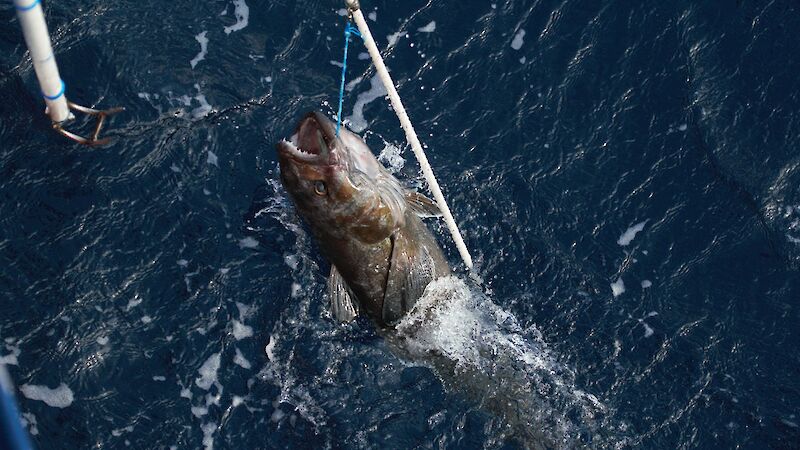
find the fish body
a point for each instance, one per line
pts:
(366, 223)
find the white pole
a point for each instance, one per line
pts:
(31, 18)
(411, 135)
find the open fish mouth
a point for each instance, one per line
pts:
(290, 149)
(311, 142)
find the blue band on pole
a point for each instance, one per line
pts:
(348, 30)
(27, 8)
(60, 93)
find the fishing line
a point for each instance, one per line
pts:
(348, 30)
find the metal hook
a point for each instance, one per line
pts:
(101, 115)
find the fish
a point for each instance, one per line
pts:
(382, 256)
(366, 223)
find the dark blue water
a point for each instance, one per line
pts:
(165, 291)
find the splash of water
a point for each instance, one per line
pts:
(478, 348)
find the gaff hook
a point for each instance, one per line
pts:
(101, 115)
(34, 28)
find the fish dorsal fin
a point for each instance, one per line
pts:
(422, 205)
(343, 305)
(411, 268)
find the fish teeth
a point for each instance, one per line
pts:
(292, 144)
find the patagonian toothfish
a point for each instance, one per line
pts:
(383, 257)
(366, 223)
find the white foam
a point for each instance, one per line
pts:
(204, 109)
(212, 159)
(342, 12)
(208, 372)
(356, 120)
(646, 284)
(277, 415)
(488, 345)
(29, 420)
(393, 38)
(648, 330)
(242, 13)
(618, 287)
(214, 399)
(629, 234)
(183, 262)
(241, 361)
(159, 378)
(199, 411)
(184, 100)
(391, 157)
(60, 397)
(146, 319)
(270, 348)
(373, 16)
(683, 127)
(248, 242)
(353, 83)
(203, 40)
(102, 340)
(518, 40)
(244, 310)
(241, 331)
(291, 261)
(11, 359)
(134, 302)
(208, 435)
(429, 28)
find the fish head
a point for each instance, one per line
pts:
(336, 183)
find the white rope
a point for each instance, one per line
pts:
(411, 136)
(34, 28)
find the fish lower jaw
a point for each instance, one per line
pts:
(293, 150)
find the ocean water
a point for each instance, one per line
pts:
(626, 175)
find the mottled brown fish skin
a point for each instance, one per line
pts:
(357, 212)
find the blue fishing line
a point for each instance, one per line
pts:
(348, 30)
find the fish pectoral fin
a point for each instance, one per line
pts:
(422, 205)
(411, 268)
(343, 305)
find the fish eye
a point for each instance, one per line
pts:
(319, 187)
